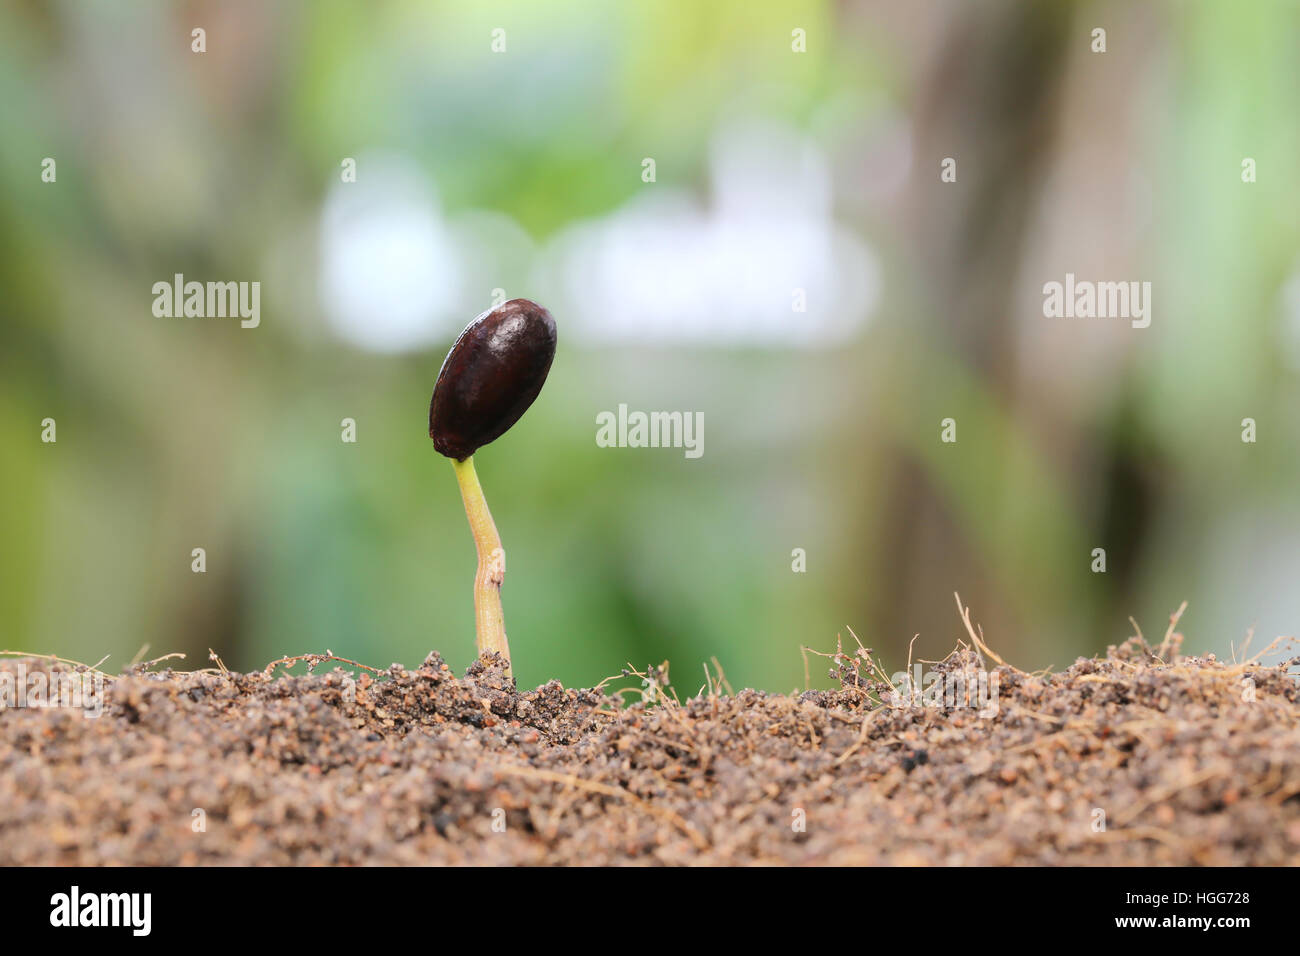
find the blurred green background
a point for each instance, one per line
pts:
(775, 171)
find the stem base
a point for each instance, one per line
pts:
(489, 619)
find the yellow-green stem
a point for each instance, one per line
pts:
(489, 620)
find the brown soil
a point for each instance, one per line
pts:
(416, 766)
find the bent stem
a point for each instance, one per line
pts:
(489, 619)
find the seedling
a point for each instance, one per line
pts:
(491, 375)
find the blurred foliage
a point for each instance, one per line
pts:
(176, 434)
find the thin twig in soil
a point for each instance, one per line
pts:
(606, 790)
(708, 682)
(864, 653)
(910, 689)
(1250, 636)
(62, 660)
(1166, 645)
(1138, 630)
(316, 660)
(1275, 642)
(158, 660)
(722, 677)
(862, 738)
(978, 638)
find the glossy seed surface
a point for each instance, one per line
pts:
(491, 375)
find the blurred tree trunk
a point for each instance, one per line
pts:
(989, 100)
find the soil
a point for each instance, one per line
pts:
(1126, 759)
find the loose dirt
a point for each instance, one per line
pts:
(1121, 760)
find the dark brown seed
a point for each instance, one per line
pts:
(491, 375)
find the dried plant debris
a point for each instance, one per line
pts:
(1141, 757)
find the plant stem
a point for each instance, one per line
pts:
(489, 619)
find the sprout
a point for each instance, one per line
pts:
(491, 375)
